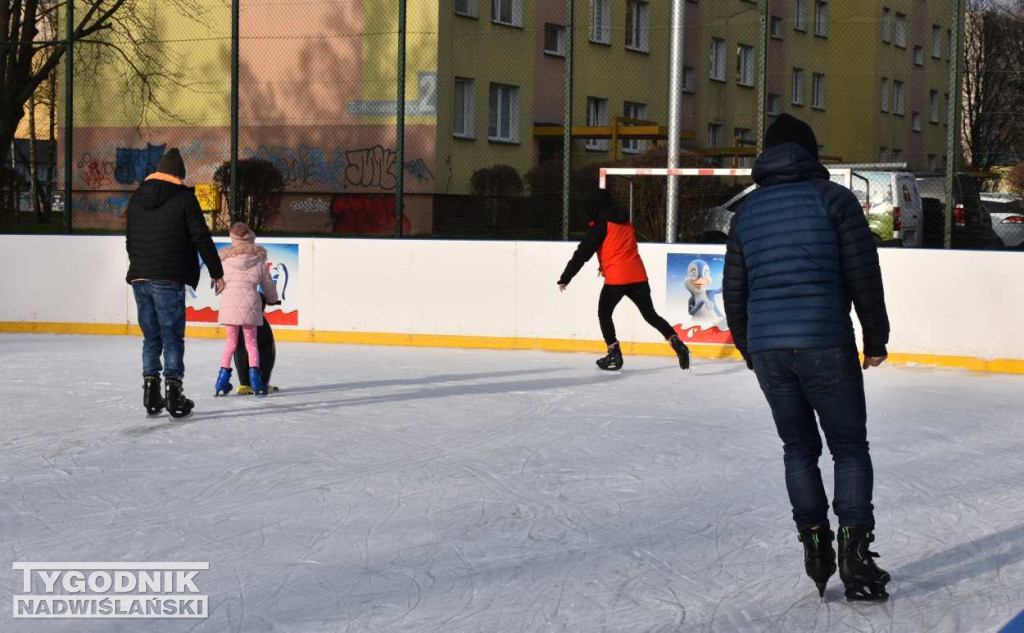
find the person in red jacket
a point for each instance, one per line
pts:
(612, 238)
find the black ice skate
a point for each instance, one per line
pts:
(151, 398)
(681, 350)
(613, 361)
(819, 557)
(865, 581)
(177, 404)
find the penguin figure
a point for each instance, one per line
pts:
(702, 304)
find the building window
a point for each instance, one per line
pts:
(915, 121)
(798, 86)
(776, 27)
(633, 110)
(883, 154)
(800, 23)
(554, 39)
(821, 18)
(462, 111)
(936, 42)
(466, 8)
(918, 56)
(933, 106)
(744, 137)
(774, 105)
(886, 25)
(933, 162)
(597, 115)
(897, 156)
(898, 102)
(945, 162)
(949, 44)
(884, 91)
(818, 91)
(745, 65)
(718, 59)
(601, 21)
(507, 12)
(714, 135)
(504, 120)
(945, 112)
(901, 30)
(689, 79)
(638, 26)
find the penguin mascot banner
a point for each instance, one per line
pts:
(283, 262)
(695, 298)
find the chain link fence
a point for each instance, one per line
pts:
(510, 109)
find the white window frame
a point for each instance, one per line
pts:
(468, 130)
(470, 10)
(597, 115)
(887, 25)
(800, 16)
(689, 80)
(719, 54)
(933, 106)
(918, 55)
(638, 38)
(821, 18)
(715, 131)
(634, 110)
(515, 8)
(560, 34)
(884, 91)
(777, 27)
(901, 31)
(819, 91)
(936, 41)
(796, 93)
(774, 104)
(916, 121)
(508, 95)
(601, 22)
(899, 98)
(745, 65)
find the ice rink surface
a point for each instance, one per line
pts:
(395, 489)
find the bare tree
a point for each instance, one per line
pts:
(993, 81)
(110, 34)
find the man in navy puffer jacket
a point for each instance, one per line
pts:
(800, 252)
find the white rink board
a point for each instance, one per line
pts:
(966, 304)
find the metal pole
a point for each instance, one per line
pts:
(400, 123)
(234, 200)
(675, 117)
(69, 112)
(953, 116)
(570, 38)
(630, 200)
(762, 83)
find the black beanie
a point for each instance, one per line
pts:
(599, 201)
(789, 129)
(172, 164)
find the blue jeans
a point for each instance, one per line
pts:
(829, 382)
(162, 319)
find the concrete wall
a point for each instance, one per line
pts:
(952, 309)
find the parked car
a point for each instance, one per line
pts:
(1007, 213)
(889, 198)
(972, 224)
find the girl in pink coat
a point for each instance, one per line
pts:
(245, 269)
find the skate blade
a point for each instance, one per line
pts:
(182, 417)
(821, 590)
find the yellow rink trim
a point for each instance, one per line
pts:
(997, 365)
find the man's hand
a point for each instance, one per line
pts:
(873, 361)
(561, 287)
(218, 285)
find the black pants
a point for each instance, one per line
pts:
(268, 354)
(640, 295)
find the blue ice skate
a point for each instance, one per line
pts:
(258, 387)
(223, 386)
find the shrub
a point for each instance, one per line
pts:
(260, 184)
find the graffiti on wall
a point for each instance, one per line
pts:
(134, 165)
(304, 165)
(113, 206)
(364, 215)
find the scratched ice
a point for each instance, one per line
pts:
(390, 489)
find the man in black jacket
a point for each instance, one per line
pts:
(800, 251)
(165, 237)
